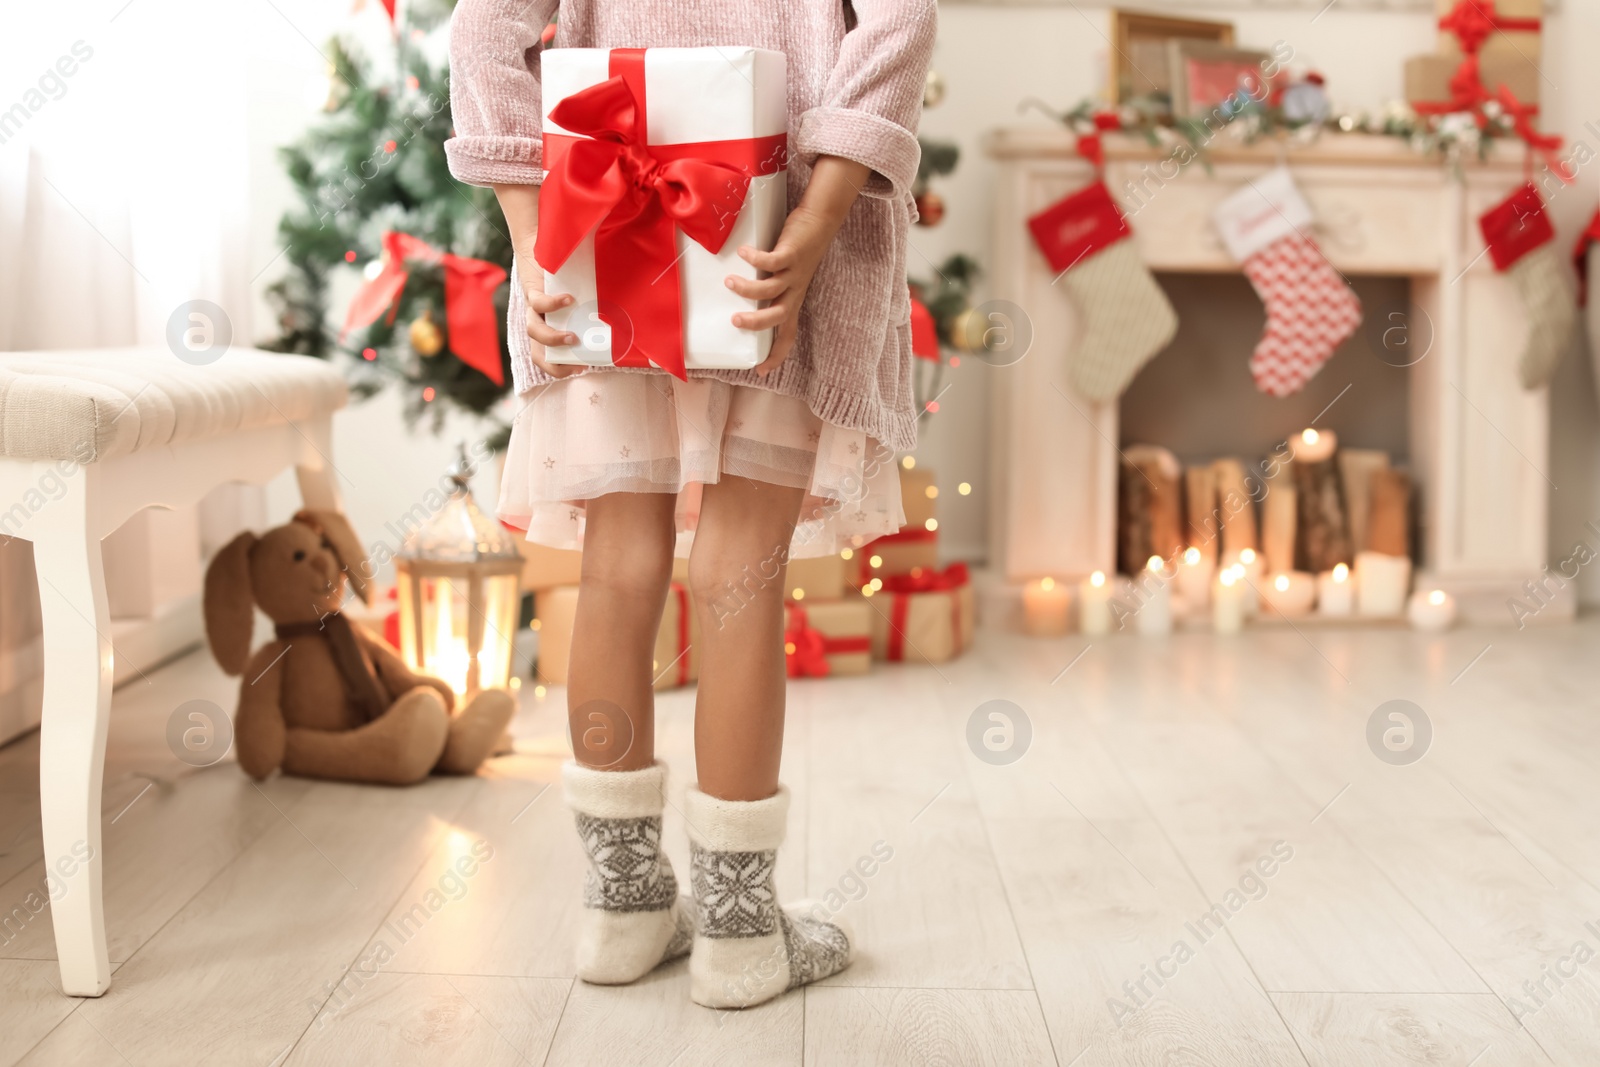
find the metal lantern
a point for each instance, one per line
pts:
(459, 593)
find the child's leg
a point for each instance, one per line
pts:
(627, 567)
(632, 918)
(736, 569)
(746, 948)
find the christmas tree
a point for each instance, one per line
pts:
(374, 165)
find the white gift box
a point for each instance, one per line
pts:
(692, 95)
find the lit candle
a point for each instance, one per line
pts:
(1094, 604)
(1434, 610)
(1045, 608)
(1382, 582)
(1290, 594)
(1155, 591)
(1227, 601)
(1336, 593)
(1250, 572)
(1315, 446)
(1194, 579)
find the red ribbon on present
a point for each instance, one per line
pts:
(902, 587)
(906, 535)
(679, 591)
(635, 196)
(469, 286)
(806, 649)
(924, 333)
(1474, 22)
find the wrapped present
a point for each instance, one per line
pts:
(919, 495)
(911, 551)
(660, 163)
(831, 638)
(1428, 80)
(924, 619)
(675, 662)
(822, 578)
(1497, 28)
(543, 567)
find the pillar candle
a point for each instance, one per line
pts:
(1251, 568)
(1094, 604)
(1154, 589)
(1227, 601)
(1336, 592)
(1195, 574)
(1382, 582)
(1045, 608)
(1290, 594)
(1433, 610)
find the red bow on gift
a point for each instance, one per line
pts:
(928, 580)
(635, 196)
(921, 580)
(469, 286)
(805, 649)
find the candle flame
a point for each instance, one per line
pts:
(1229, 576)
(1047, 584)
(1436, 597)
(1247, 556)
(1281, 583)
(1309, 436)
(1192, 557)
(1097, 579)
(1341, 571)
(1155, 563)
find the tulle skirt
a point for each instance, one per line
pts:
(583, 437)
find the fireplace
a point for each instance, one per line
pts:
(1403, 228)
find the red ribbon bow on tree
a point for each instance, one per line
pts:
(635, 196)
(469, 286)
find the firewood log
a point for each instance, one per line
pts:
(1236, 505)
(1150, 522)
(1389, 513)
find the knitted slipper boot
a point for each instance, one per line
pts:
(747, 949)
(633, 918)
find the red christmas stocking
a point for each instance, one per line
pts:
(1522, 244)
(1310, 309)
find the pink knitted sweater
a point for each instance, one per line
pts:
(856, 94)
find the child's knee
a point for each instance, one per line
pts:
(642, 574)
(723, 582)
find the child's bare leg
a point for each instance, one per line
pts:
(627, 567)
(632, 919)
(737, 572)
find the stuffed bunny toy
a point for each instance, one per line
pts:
(326, 699)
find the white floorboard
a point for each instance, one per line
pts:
(1030, 912)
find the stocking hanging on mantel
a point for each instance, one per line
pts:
(1522, 244)
(1126, 317)
(1310, 310)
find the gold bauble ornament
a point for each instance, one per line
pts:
(933, 89)
(426, 337)
(967, 331)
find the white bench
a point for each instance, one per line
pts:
(87, 439)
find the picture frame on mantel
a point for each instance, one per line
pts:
(1203, 75)
(1139, 63)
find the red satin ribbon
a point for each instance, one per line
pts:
(635, 196)
(902, 587)
(1474, 22)
(679, 591)
(469, 286)
(908, 535)
(812, 647)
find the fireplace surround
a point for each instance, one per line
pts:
(1478, 442)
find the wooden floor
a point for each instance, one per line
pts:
(1099, 901)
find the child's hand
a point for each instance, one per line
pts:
(807, 232)
(542, 333)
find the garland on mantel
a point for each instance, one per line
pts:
(1449, 136)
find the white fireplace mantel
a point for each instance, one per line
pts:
(1479, 443)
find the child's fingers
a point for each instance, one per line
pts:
(772, 262)
(756, 289)
(782, 345)
(547, 335)
(556, 370)
(761, 320)
(544, 303)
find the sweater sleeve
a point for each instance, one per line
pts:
(494, 91)
(873, 98)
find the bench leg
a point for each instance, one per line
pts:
(72, 744)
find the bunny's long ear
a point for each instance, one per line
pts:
(229, 604)
(346, 545)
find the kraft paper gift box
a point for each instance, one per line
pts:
(647, 273)
(823, 578)
(1427, 78)
(544, 567)
(1517, 34)
(556, 608)
(924, 620)
(919, 493)
(829, 639)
